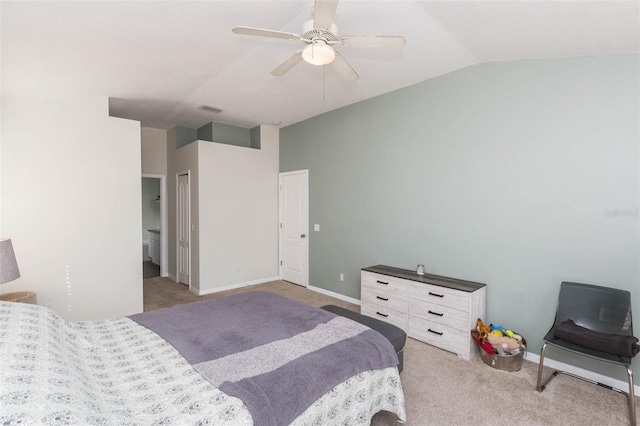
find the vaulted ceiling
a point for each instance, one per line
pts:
(158, 61)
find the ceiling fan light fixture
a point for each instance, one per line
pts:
(318, 53)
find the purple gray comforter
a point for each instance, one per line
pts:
(275, 354)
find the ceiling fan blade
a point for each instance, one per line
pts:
(291, 62)
(265, 33)
(323, 13)
(344, 69)
(393, 42)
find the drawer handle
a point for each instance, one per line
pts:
(382, 298)
(382, 282)
(382, 315)
(436, 313)
(436, 294)
(439, 333)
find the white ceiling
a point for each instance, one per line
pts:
(159, 61)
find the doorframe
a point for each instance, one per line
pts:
(280, 236)
(164, 239)
(178, 174)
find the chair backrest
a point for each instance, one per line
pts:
(601, 309)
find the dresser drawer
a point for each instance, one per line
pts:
(440, 314)
(447, 338)
(439, 295)
(384, 282)
(391, 316)
(383, 299)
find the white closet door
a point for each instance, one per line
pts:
(294, 224)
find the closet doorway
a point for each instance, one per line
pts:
(154, 226)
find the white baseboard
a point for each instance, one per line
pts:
(171, 277)
(234, 286)
(606, 380)
(333, 294)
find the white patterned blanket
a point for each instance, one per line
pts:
(116, 372)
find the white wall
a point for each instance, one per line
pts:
(1, 230)
(71, 204)
(238, 219)
(171, 203)
(154, 151)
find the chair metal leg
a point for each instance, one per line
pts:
(631, 395)
(540, 365)
(540, 387)
(632, 398)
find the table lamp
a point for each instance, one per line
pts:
(8, 264)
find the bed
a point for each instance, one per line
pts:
(254, 358)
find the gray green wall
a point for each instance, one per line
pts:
(219, 132)
(205, 133)
(185, 135)
(519, 175)
(254, 137)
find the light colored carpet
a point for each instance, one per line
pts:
(442, 389)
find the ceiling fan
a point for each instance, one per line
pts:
(320, 35)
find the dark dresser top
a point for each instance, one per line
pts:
(456, 284)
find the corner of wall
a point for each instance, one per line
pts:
(74, 137)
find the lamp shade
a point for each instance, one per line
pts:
(318, 53)
(8, 264)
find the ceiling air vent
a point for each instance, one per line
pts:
(210, 109)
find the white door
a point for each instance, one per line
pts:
(184, 231)
(294, 224)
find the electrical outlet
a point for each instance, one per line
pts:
(316, 227)
(341, 277)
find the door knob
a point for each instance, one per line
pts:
(302, 235)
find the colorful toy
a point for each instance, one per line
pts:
(503, 342)
(485, 346)
(497, 340)
(483, 331)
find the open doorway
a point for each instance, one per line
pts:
(154, 226)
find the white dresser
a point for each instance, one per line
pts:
(437, 310)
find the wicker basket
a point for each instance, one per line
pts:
(19, 296)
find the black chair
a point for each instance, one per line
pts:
(599, 313)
